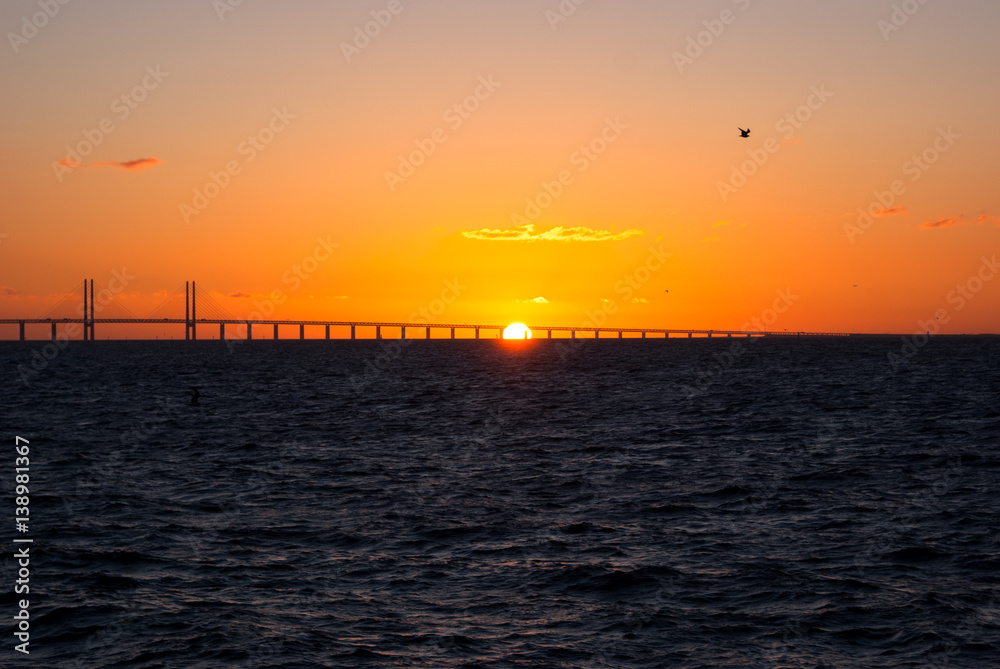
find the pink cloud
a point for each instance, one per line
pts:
(136, 165)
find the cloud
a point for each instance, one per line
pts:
(136, 165)
(160, 293)
(719, 224)
(713, 238)
(960, 220)
(791, 140)
(526, 233)
(537, 300)
(949, 222)
(240, 295)
(8, 292)
(640, 300)
(340, 297)
(892, 211)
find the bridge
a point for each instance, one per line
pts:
(217, 316)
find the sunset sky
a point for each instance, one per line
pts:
(539, 157)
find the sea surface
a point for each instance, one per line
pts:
(778, 502)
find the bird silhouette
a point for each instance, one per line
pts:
(744, 133)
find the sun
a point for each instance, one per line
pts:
(517, 331)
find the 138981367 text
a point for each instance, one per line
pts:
(22, 550)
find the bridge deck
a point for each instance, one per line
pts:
(436, 326)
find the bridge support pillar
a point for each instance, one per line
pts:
(194, 313)
(378, 332)
(748, 335)
(620, 333)
(690, 335)
(428, 333)
(354, 334)
(275, 332)
(22, 330)
(477, 333)
(550, 334)
(730, 335)
(92, 311)
(709, 335)
(86, 309)
(222, 332)
(53, 332)
(402, 332)
(572, 334)
(249, 331)
(643, 335)
(302, 330)
(327, 331)
(597, 334)
(453, 333)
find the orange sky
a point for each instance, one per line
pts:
(303, 124)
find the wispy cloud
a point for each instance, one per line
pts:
(719, 224)
(137, 165)
(640, 300)
(960, 220)
(892, 211)
(526, 233)
(9, 293)
(240, 295)
(949, 222)
(537, 300)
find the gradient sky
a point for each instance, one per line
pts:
(343, 121)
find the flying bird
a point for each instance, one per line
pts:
(743, 133)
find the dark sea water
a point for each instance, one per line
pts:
(790, 503)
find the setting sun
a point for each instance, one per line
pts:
(517, 331)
